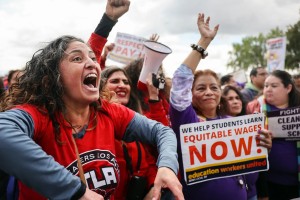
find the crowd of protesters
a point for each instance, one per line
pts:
(72, 127)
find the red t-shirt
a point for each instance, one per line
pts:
(96, 148)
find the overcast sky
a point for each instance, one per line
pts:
(26, 25)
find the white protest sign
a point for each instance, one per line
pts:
(127, 48)
(276, 48)
(240, 76)
(222, 148)
(285, 123)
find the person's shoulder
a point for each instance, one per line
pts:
(225, 116)
(39, 115)
(31, 109)
(112, 108)
(111, 105)
(245, 90)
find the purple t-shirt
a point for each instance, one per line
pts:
(283, 161)
(223, 188)
(251, 183)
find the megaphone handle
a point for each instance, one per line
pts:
(155, 80)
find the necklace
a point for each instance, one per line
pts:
(83, 128)
(81, 133)
(77, 134)
(78, 130)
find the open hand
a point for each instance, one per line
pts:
(166, 178)
(264, 138)
(204, 29)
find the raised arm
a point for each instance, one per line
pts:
(114, 10)
(181, 94)
(207, 35)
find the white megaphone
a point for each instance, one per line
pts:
(155, 52)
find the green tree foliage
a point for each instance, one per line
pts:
(248, 54)
(292, 60)
(251, 52)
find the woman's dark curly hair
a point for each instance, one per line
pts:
(40, 84)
